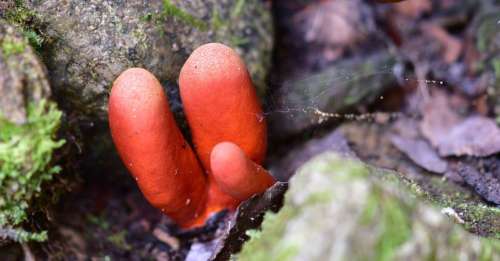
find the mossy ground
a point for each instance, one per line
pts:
(26, 153)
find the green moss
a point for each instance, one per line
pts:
(20, 235)
(170, 10)
(487, 32)
(99, 221)
(392, 222)
(221, 26)
(265, 245)
(216, 20)
(496, 67)
(237, 8)
(395, 226)
(488, 249)
(147, 17)
(19, 14)
(10, 47)
(119, 240)
(26, 163)
(23, 18)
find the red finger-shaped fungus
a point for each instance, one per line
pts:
(236, 174)
(221, 104)
(153, 148)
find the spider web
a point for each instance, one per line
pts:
(340, 95)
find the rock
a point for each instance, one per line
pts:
(336, 206)
(372, 144)
(22, 76)
(90, 43)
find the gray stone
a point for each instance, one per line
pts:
(341, 209)
(22, 75)
(88, 43)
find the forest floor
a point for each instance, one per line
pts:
(436, 122)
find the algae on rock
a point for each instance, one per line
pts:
(91, 43)
(339, 209)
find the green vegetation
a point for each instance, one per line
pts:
(170, 10)
(486, 32)
(11, 47)
(237, 9)
(119, 240)
(99, 221)
(25, 164)
(23, 17)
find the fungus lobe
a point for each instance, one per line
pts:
(153, 148)
(221, 104)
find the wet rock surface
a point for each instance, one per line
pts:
(89, 43)
(22, 76)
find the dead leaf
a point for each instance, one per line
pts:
(476, 136)
(452, 135)
(166, 238)
(420, 152)
(332, 23)
(438, 118)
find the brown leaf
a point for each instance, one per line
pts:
(438, 119)
(420, 152)
(454, 136)
(332, 23)
(476, 136)
(166, 238)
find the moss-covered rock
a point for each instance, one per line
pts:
(22, 76)
(367, 138)
(28, 125)
(25, 164)
(339, 209)
(87, 44)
